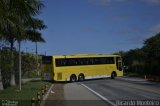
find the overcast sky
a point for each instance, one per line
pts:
(96, 26)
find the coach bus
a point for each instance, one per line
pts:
(79, 67)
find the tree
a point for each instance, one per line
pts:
(1, 82)
(5, 65)
(146, 59)
(121, 53)
(13, 15)
(1, 21)
(31, 33)
(134, 60)
(36, 36)
(152, 50)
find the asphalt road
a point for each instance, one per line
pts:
(72, 94)
(105, 92)
(77, 95)
(121, 91)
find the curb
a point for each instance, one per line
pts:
(45, 97)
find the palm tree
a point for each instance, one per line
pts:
(1, 21)
(37, 24)
(31, 33)
(1, 83)
(14, 15)
(36, 38)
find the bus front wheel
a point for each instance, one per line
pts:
(113, 75)
(73, 78)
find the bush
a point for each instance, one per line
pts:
(28, 66)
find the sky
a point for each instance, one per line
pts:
(96, 26)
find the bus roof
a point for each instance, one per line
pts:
(85, 55)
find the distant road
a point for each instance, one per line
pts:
(123, 90)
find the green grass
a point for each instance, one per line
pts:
(130, 74)
(24, 96)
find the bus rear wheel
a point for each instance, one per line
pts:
(73, 78)
(81, 77)
(113, 75)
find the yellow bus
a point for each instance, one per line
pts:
(79, 67)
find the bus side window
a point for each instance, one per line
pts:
(91, 61)
(63, 62)
(103, 60)
(107, 60)
(81, 61)
(86, 61)
(60, 62)
(96, 61)
(111, 60)
(57, 62)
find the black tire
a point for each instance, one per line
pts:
(73, 78)
(81, 77)
(113, 75)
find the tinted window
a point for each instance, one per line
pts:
(61, 62)
(46, 59)
(84, 61)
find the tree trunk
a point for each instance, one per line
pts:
(1, 83)
(37, 60)
(19, 61)
(12, 81)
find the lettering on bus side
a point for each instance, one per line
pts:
(84, 61)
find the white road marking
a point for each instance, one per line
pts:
(52, 91)
(99, 95)
(45, 97)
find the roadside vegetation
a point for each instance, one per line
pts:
(143, 61)
(18, 23)
(28, 66)
(30, 90)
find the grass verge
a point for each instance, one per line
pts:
(129, 74)
(23, 97)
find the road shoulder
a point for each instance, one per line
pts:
(71, 94)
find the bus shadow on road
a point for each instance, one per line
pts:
(96, 79)
(86, 80)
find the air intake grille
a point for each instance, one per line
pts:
(59, 76)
